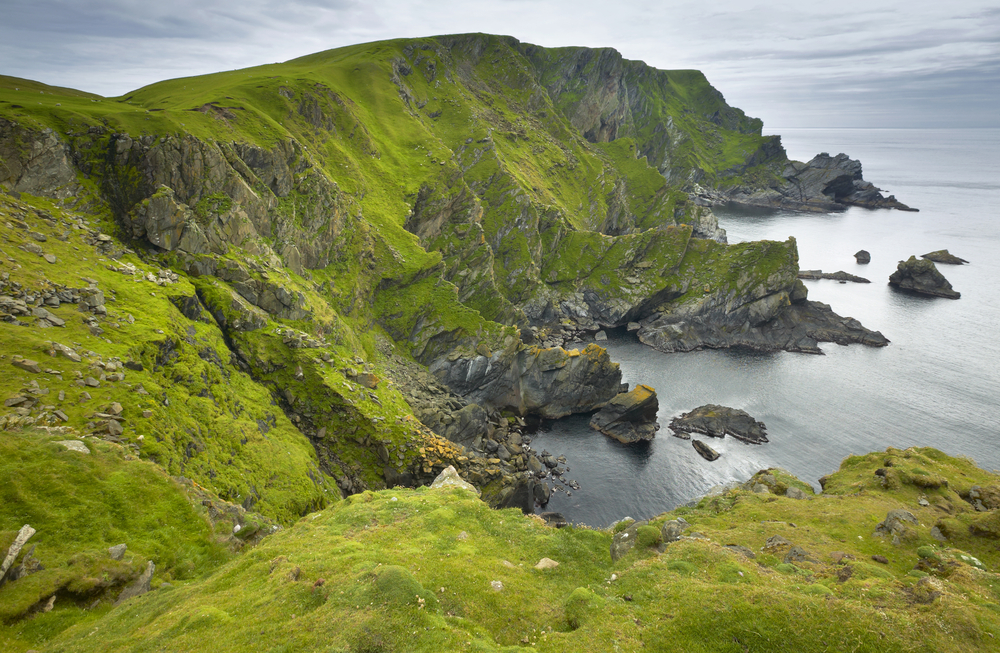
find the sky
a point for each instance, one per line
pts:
(851, 63)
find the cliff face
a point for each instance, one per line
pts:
(309, 225)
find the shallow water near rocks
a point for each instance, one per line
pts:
(937, 383)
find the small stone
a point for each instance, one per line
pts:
(496, 586)
(601, 336)
(63, 417)
(795, 493)
(117, 552)
(881, 559)
(147, 414)
(92, 382)
(546, 563)
(114, 428)
(50, 258)
(115, 408)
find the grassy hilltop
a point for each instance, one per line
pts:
(238, 309)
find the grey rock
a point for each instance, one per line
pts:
(923, 277)
(718, 421)
(944, 256)
(630, 416)
(625, 541)
(26, 364)
(795, 493)
(449, 478)
(836, 276)
(74, 445)
(22, 537)
(705, 451)
(672, 530)
(554, 519)
(117, 552)
(798, 554)
(863, 257)
(140, 586)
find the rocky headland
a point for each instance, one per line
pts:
(922, 277)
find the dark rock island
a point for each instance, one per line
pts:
(718, 421)
(944, 256)
(629, 417)
(922, 277)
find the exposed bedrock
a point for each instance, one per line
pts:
(629, 417)
(798, 327)
(719, 421)
(825, 183)
(922, 276)
(550, 383)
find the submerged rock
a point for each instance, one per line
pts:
(944, 256)
(717, 421)
(705, 451)
(923, 277)
(629, 417)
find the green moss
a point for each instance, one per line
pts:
(581, 606)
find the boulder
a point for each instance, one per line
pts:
(922, 277)
(717, 421)
(140, 586)
(449, 478)
(944, 256)
(630, 416)
(863, 257)
(897, 525)
(671, 530)
(705, 451)
(625, 541)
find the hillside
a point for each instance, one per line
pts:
(268, 290)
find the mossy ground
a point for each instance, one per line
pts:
(415, 570)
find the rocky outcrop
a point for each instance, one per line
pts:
(39, 163)
(836, 276)
(825, 183)
(550, 383)
(630, 416)
(922, 277)
(797, 327)
(718, 421)
(944, 256)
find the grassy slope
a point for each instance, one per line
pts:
(412, 570)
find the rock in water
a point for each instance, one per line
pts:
(944, 256)
(705, 451)
(717, 421)
(836, 276)
(862, 256)
(922, 276)
(629, 417)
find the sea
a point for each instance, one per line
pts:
(937, 384)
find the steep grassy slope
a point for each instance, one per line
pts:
(434, 570)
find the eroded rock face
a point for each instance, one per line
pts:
(44, 167)
(923, 277)
(550, 383)
(630, 416)
(825, 183)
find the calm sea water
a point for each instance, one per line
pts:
(937, 383)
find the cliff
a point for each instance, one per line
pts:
(291, 284)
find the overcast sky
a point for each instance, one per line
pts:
(851, 63)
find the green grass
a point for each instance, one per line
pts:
(414, 570)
